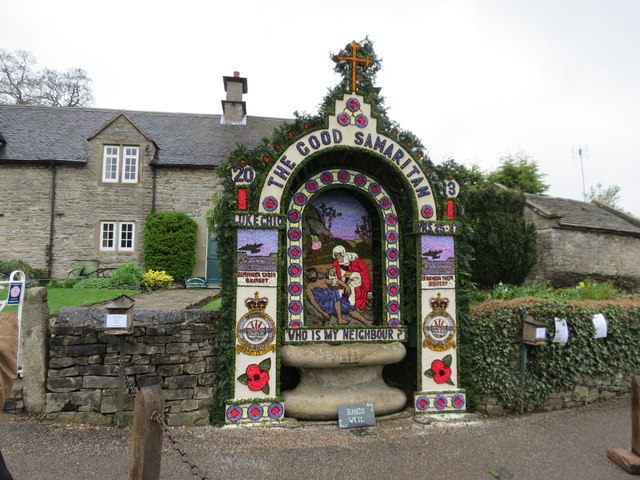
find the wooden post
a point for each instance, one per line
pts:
(630, 459)
(146, 448)
(635, 415)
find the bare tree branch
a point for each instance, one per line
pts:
(21, 85)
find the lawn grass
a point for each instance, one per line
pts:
(214, 304)
(77, 297)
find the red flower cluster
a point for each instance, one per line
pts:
(257, 378)
(441, 372)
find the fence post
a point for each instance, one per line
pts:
(635, 415)
(630, 459)
(146, 447)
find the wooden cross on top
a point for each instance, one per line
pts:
(354, 59)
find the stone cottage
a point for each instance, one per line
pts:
(78, 183)
(578, 240)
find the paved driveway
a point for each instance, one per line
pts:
(562, 445)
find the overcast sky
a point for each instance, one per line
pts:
(473, 79)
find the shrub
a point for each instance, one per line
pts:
(597, 291)
(157, 280)
(505, 245)
(583, 291)
(170, 243)
(127, 277)
(55, 284)
(8, 266)
(70, 282)
(94, 283)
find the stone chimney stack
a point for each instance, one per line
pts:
(234, 109)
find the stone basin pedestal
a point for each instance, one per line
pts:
(332, 375)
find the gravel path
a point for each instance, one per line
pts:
(561, 445)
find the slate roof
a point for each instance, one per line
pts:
(43, 134)
(583, 215)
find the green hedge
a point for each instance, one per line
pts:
(490, 349)
(170, 243)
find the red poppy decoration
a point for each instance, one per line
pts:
(277, 146)
(242, 198)
(256, 377)
(305, 125)
(451, 213)
(243, 162)
(290, 134)
(266, 158)
(419, 154)
(440, 371)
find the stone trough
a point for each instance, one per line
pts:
(332, 375)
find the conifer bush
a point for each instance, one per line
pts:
(504, 245)
(170, 244)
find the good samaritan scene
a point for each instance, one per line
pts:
(338, 261)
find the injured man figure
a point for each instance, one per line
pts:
(325, 294)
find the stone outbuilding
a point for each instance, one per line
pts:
(579, 240)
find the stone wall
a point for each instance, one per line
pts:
(592, 390)
(25, 210)
(171, 348)
(567, 256)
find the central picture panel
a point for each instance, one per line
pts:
(343, 263)
(342, 260)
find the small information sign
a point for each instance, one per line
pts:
(117, 320)
(356, 415)
(15, 289)
(562, 331)
(195, 282)
(600, 325)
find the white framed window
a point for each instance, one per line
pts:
(130, 165)
(117, 236)
(127, 236)
(110, 163)
(108, 236)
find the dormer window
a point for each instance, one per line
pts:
(120, 158)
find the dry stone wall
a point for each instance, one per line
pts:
(171, 348)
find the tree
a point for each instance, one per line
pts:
(22, 85)
(363, 230)
(504, 244)
(608, 195)
(520, 172)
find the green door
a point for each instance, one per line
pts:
(213, 269)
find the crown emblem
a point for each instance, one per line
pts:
(438, 303)
(256, 303)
